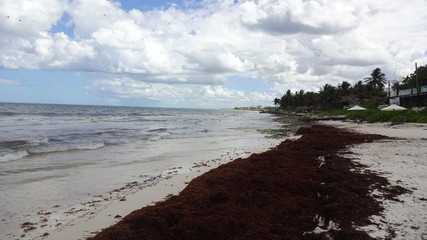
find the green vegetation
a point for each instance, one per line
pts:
(410, 80)
(372, 116)
(331, 112)
(369, 93)
(331, 97)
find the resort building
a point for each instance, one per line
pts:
(409, 97)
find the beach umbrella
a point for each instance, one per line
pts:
(393, 107)
(356, 108)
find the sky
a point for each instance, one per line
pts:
(200, 53)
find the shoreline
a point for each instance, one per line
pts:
(169, 184)
(48, 192)
(118, 209)
(281, 192)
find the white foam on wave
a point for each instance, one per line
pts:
(16, 155)
(66, 147)
(91, 146)
(13, 156)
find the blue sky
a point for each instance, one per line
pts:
(206, 53)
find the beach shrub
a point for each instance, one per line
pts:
(331, 112)
(372, 116)
(379, 116)
(398, 119)
(422, 119)
(353, 115)
(411, 116)
(357, 115)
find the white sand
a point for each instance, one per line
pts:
(114, 212)
(403, 162)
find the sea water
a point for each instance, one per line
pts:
(55, 159)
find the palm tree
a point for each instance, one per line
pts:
(299, 98)
(344, 88)
(311, 100)
(287, 100)
(276, 101)
(360, 91)
(329, 95)
(376, 81)
(396, 87)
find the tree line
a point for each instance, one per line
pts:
(345, 94)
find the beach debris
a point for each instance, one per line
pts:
(323, 227)
(28, 226)
(322, 161)
(43, 213)
(200, 164)
(74, 211)
(395, 125)
(95, 202)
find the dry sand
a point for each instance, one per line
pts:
(117, 210)
(403, 161)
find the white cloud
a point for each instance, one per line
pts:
(88, 16)
(292, 44)
(289, 17)
(190, 95)
(26, 18)
(48, 51)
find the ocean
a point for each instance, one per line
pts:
(59, 163)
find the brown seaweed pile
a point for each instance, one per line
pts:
(302, 189)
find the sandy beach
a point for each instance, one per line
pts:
(402, 161)
(172, 183)
(329, 190)
(117, 210)
(339, 180)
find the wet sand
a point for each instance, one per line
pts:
(309, 188)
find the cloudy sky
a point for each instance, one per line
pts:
(200, 53)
